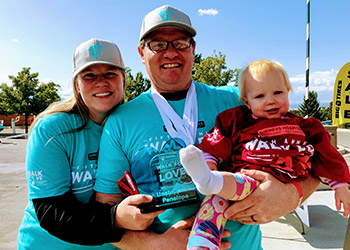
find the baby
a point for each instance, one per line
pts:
(260, 135)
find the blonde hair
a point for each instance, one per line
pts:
(74, 105)
(258, 69)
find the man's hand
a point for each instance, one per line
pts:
(175, 238)
(271, 199)
(129, 216)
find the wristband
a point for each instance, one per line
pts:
(300, 191)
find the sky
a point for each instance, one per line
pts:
(42, 35)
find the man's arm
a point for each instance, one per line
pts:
(175, 238)
(271, 199)
(128, 215)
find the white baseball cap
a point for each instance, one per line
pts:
(166, 16)
(96, 51)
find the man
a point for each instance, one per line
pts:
(177, 112)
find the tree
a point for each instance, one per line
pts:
(213, 70)
(5, 107)
(330, 111)
(46, 94)
(135, 87)
(197, 59)
(26, 95)
(313, 108)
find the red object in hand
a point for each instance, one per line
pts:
(127, 185)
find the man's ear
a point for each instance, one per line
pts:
(141, 54)
(193, 48)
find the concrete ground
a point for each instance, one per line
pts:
(13, 190)
(327, 229)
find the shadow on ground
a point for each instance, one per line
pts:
(321, 217)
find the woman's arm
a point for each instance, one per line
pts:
(73, 221)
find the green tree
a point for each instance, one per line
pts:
(312, 109)
(213, 70)
(26, 95)
(330, 111)
(135, 87)
(325, 111)
(5, 107)
(197, 59)
(47, 93)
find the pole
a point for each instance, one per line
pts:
(307, 59)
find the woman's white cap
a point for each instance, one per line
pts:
(96, 51)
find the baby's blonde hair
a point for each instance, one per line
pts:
(259, 69)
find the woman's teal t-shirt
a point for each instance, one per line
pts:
(58, 159)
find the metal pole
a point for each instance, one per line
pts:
(307, 59)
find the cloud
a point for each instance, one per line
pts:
(319, 81)
(210, 12)
(15, 40)
(65, 93)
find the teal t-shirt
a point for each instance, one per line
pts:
(58, 161)
(135, 132)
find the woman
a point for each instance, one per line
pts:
(61, 160)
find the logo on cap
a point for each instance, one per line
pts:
(95, 50)
(165, 14)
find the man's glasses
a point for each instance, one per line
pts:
(163, 45)
(127, 185)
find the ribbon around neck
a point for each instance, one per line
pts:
(184, 128)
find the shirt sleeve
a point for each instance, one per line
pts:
(47, 163)
(327, 161)
(218, 141)
(334, 184)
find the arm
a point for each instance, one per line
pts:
(128, 214)
(75, 222)
(271, 199)
(326, 162)
(176, 237)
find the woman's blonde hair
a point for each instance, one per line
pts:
(74, 105)
(259, 69)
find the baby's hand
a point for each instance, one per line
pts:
(342, 196)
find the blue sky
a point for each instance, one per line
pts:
(43, 34)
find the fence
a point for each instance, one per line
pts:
(5, 120)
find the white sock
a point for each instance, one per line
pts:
(206, 181)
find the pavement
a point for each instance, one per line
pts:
(327, 225)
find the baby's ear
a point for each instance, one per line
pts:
(245, 100)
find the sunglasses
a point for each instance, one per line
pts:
(127, 185)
